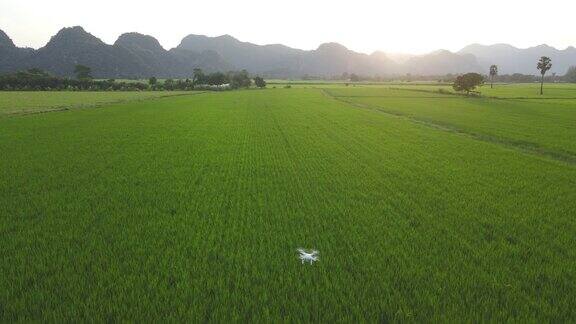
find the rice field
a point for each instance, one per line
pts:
(27, 102)
(424, 207)
(503, 91)
(546, 126)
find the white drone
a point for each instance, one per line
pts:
(311, 256)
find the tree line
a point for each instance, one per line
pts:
(36, 79)
(39, 80)
(570, 76)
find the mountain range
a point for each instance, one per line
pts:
(510, 59)
(132, 56)
(135, 55)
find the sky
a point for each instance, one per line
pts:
(397, 26)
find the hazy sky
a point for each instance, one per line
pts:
(412, 26)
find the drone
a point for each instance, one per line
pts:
(311, 256)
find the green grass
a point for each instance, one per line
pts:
(506, 91)
(23, 102)
(531, 90)
(547, 126)
(191, 209)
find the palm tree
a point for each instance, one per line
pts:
(544, 64)
(493, 74)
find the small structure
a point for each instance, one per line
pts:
(311, 256)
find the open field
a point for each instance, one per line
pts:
(507, 91)
(424, 207)
(23, 102)
(546, 126)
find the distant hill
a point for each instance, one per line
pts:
(333, 59)
(281, 61)
(272, 59)
(442, 62)
(11, 57)
(132, 56)
(73, 46)
(514, 60)
(156, 61)
(399, 58)
(135, 55)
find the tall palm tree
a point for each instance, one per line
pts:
(544, 64)
(493, 74)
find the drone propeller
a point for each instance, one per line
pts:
(312, 252)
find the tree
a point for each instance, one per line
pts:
(260, 83)
(570, 75)
(468, 82)
(199, 77)
(152, 81)
(544, 64)
(239, 79)
(169, 84)
(82, 72)
(217, 78)
(493, 74)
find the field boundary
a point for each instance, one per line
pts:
(522, 146)
(478, 96)
(89, 106)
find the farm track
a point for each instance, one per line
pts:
(445, 96)
(403, 97)
(522, 146)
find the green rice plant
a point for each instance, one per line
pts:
(191, 208)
